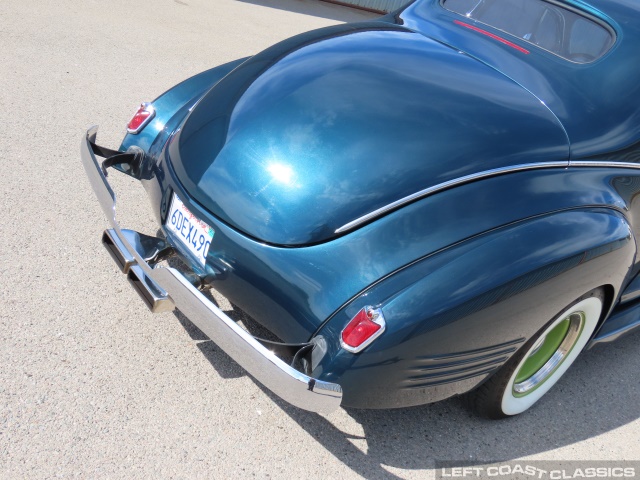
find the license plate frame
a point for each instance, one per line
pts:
(190, 233)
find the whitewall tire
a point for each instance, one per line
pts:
(541, 362)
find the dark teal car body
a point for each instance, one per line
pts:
(463, 180)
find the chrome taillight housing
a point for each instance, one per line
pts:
(141, 118)
(367, 325)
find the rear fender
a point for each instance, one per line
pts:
(456, 316)
(173, 105)
(171, 108)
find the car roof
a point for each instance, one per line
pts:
(597, 102)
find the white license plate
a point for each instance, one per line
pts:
(191, 232)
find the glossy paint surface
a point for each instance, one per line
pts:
(309, 134)
(291, 146)
(593, 101)
(455, 316)
(176, 102)
(293, 291)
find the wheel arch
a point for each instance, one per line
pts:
(610, 295)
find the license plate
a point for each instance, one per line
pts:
(191, 232)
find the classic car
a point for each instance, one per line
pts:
(442, 201)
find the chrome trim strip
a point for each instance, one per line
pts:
(279, 377)
(446, 185)
(603, 163)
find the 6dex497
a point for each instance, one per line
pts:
(441, 201)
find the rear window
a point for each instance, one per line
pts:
(557, 29)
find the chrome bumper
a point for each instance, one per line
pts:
(165, 288)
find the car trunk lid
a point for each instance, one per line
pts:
(329, 126)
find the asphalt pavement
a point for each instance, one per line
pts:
(94, 386)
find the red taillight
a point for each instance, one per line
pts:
(140, 119)
(364, 328)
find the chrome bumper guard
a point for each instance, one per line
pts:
(164, 288)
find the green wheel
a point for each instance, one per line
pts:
(540, 363)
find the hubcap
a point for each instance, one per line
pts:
(548, 353)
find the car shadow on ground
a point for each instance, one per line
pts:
(317, 8)
(595, 396)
